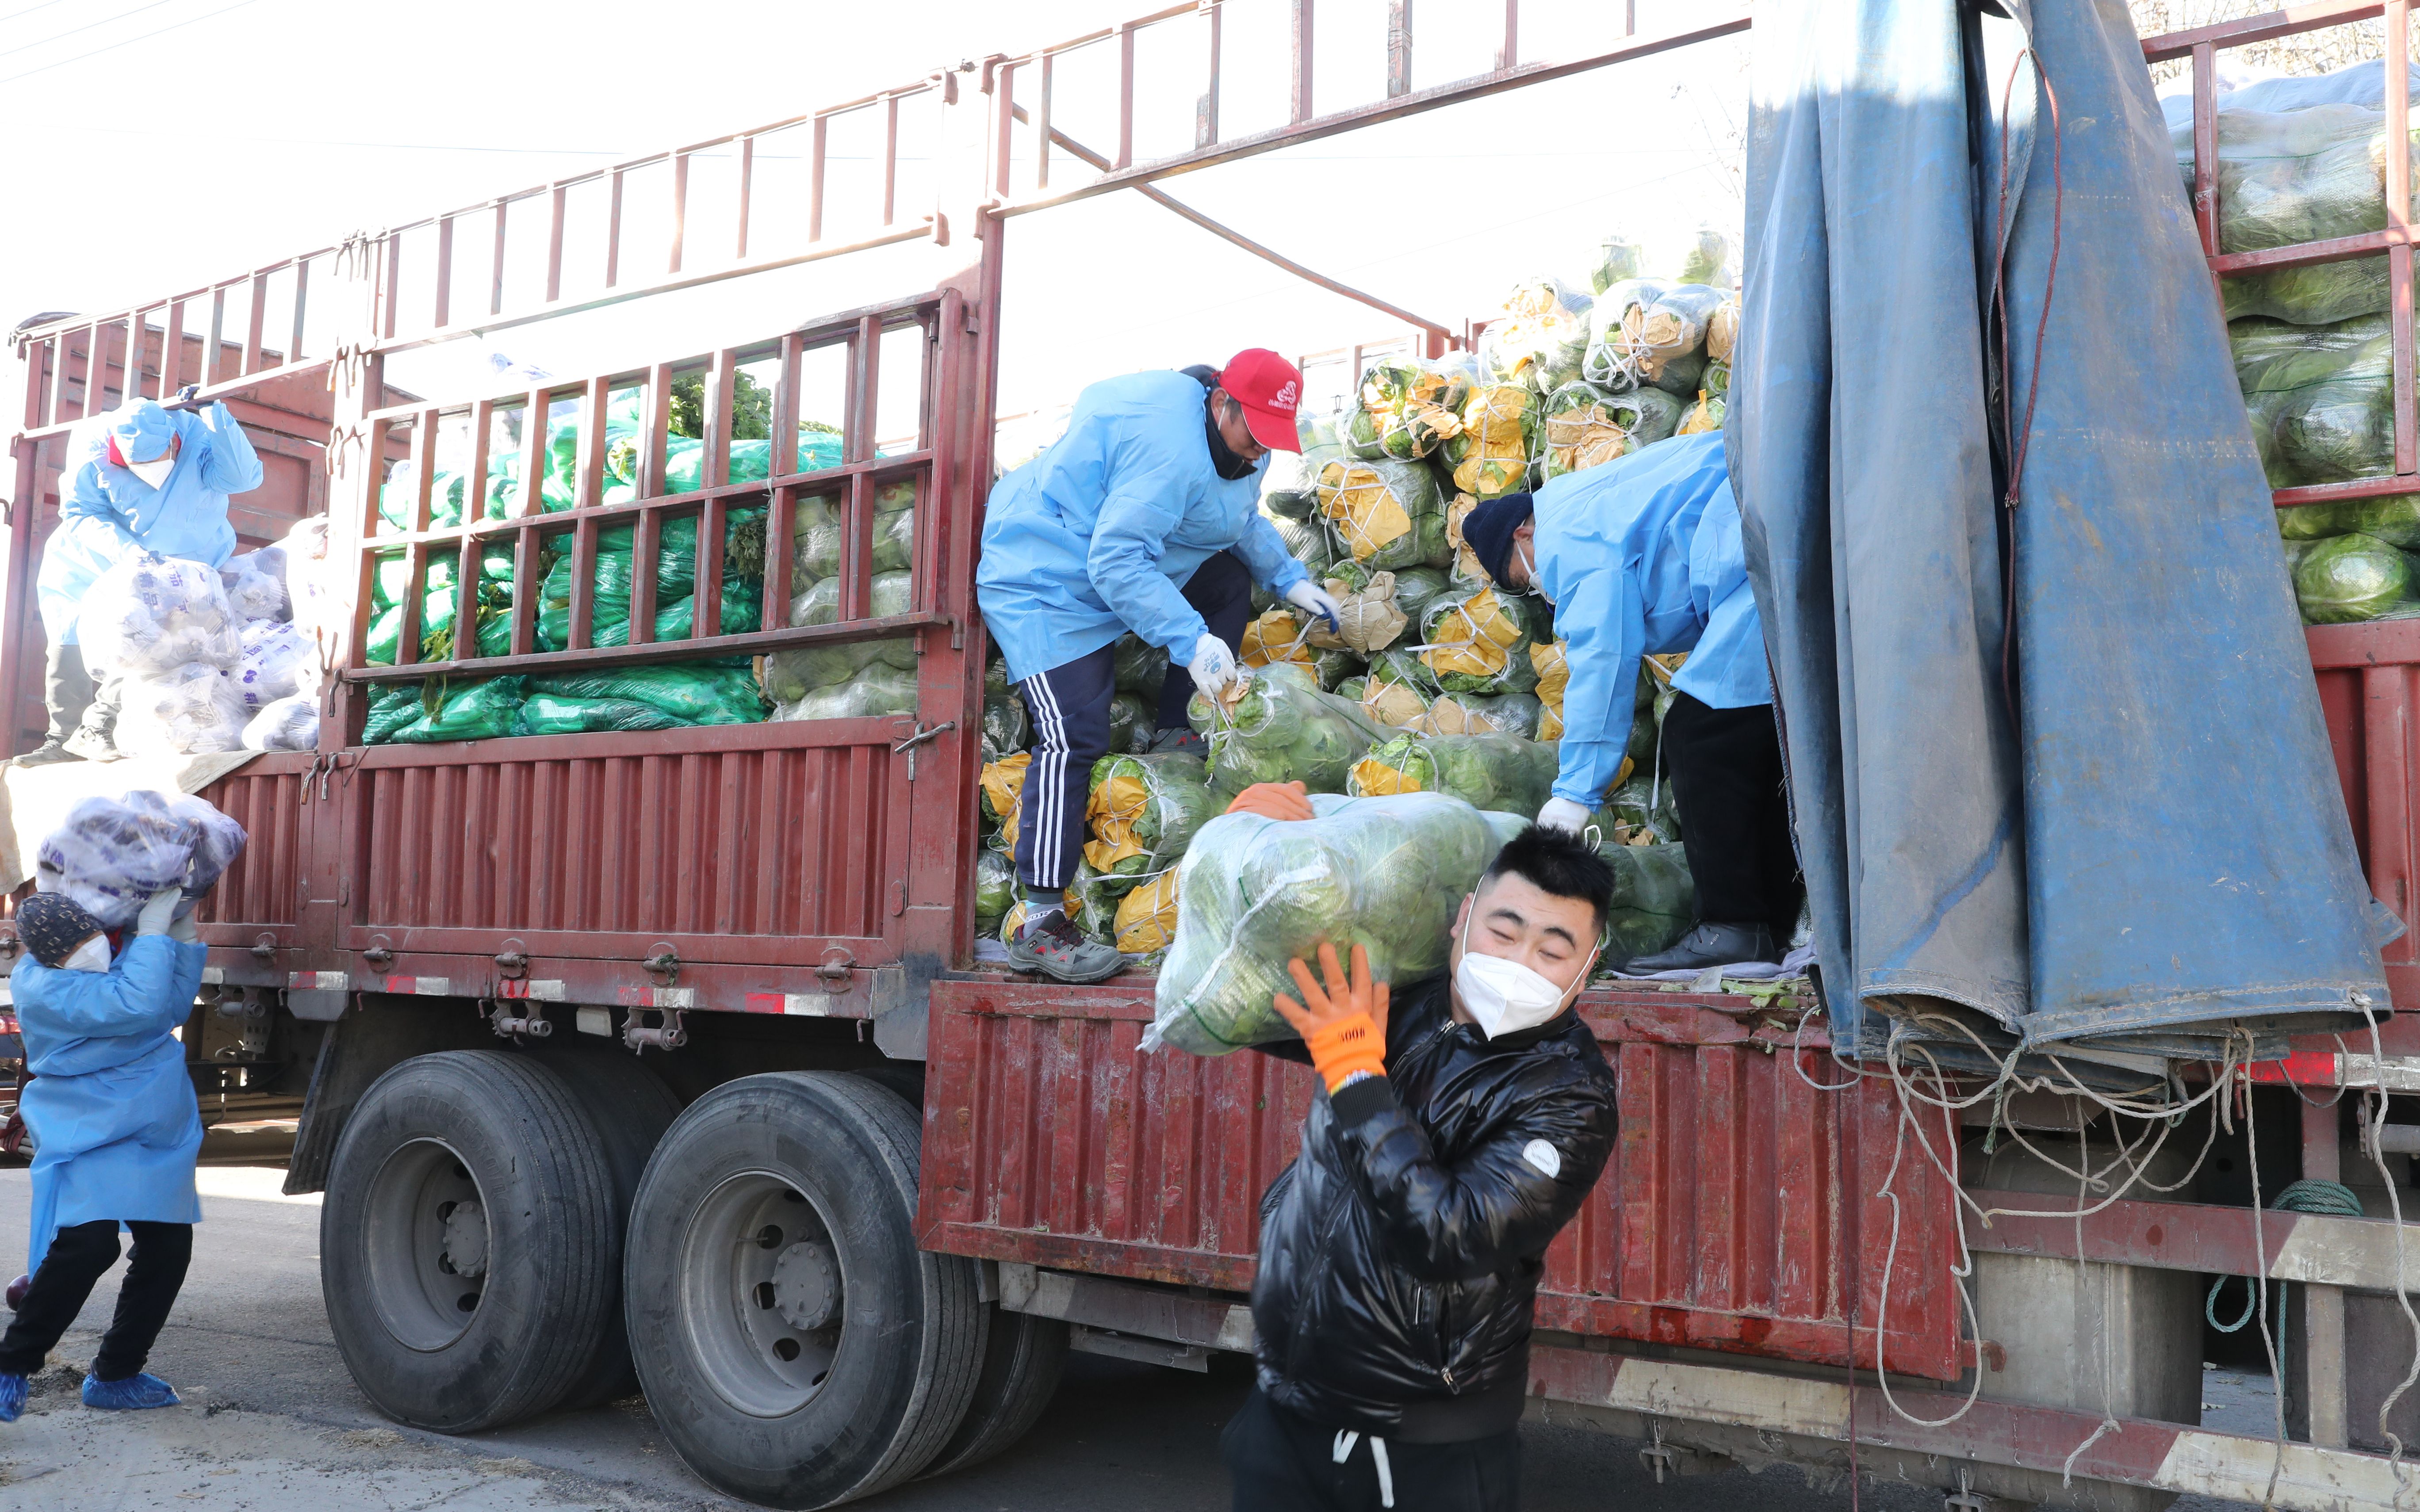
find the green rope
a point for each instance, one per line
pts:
(2329, 1199)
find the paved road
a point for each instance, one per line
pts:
(273, 1424)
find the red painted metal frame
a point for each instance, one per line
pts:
(1723, 1222)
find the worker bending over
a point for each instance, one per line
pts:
(1143, 517)
(1461, 1124)
(116, 1132)
(1642, 556)
(140, 477)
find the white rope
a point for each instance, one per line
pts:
(2395, 1209)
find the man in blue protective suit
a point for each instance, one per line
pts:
(1143, 517)
(1642, 556)
(116, 1131)
(139, 476)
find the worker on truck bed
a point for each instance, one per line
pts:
(1461, 1124)
(116, 1132)
(139, 477)
(1143, 517)
(1642, 555)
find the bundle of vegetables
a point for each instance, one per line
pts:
(1279, 636)
(1478, 641)
(792, 674)
(1145, 923)
(1477, 714)
(544, 714)
(1293, 492)
(1486, 771)
(392, 705)
(1398, 690)
(2321, 398)
(1093, 896)
(1648, 334)
(1540, 337)
(1577, 427)
(1252, 893)
(1275, 725)
(699, 693)
(1706, 415)
(399, 494)
(188, 710)
(1620, 258)
(2394, 519)
(1641, 810)
(1654, 899)
(1386, 514)
(1006, 729)
(1648, 706)
(477, 710)
(1722, 335)
(1415, 588)
(1554, 675)
(1404, 410)
(2347, 578)
(1489, 457)
(878, 691)
(1144, 812)
(819, 533)
(1001, 784)
(1141, 668)
(1367, 617)
(739, 589)
(1308, 541)
(996, 890)
(1133, 722)
(494, 609)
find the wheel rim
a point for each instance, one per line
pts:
(427, 1245)
(762, 1294)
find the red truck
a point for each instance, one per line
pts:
(667, 1053)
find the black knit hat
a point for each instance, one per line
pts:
(52, 924)
(1487, 529)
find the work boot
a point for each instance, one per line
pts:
(1708, 945)
(1054, 948)
(1183, 742)
(89, 745)
(132, 1395)
(48, 753)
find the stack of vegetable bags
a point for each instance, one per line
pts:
(164, 626)
(1142, 813)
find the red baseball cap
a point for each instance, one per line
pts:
(1268, 387)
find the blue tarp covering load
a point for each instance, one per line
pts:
(2125, 821)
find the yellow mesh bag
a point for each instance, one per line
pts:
(1003, 788)
(1146, 919)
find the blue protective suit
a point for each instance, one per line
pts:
(104, 509)
(1642, 556)
(1099, 534)
(114, 1120)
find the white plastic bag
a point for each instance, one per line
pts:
(256, 585)
(150, 613)
(113, 854)
(288, 724)
(317, 600)
(274, 656)
(217, 841)
(190, 710)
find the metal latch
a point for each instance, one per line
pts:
(907, 746)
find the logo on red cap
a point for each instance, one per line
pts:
(1268, 387)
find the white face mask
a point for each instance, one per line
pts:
(1506, 996)
(92, 955)
(154, 472)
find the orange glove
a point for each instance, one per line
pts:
(1274, 800)
(1345, 1026)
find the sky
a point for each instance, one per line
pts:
(155, 145)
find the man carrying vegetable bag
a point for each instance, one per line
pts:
(1143, 517)
(117, 1130)
(1642, 555)
(1463, 1121)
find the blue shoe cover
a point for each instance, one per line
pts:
(134, 1393)
(12, 1397)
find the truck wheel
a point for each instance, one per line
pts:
(796, 1347)
(463, 1242)
(1023, 1358)
(630, 1108)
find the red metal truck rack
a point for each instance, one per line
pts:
(455, 923)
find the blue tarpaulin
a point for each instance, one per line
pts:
(2124, 817)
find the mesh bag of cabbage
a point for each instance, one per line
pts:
(1477, 714)
(1252, 893)
(2321, 398)
(1144, 812)
(1404, 410)
(1647, 332)
(1398, 690)
(1489, 457)
(1367, 617)
(1478, 641)
(1141, 668)
(996, 890)
(2347, 578)
(1486, 771)
(879, 691)
(1654, 899)
(1385, 515)
(1278, 636)
(1540, 337)
(1146, 917)
(1001, 784)
(1275, 725)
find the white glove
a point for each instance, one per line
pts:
(1311, 598)
(155, 915)
(1213, 666)
(1562, 813)
(180, 928)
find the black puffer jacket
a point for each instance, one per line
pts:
(1400, 1255)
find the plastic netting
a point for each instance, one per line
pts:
(1278, 726)
(111, 854)
(1486, 771)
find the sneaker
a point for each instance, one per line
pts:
(1708, 945)
(132, 1395)
(87, 745)
(1055, 949)
(48, 753)
(12, 1397)
(1183, 742)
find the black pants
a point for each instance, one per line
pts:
(1070, 705)
(1281, 1462)
(1726, 772)
(76, 1261)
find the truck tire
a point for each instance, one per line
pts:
(1023, 1356)
(796, 1347)
(629, 1107)
(463, 1241)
